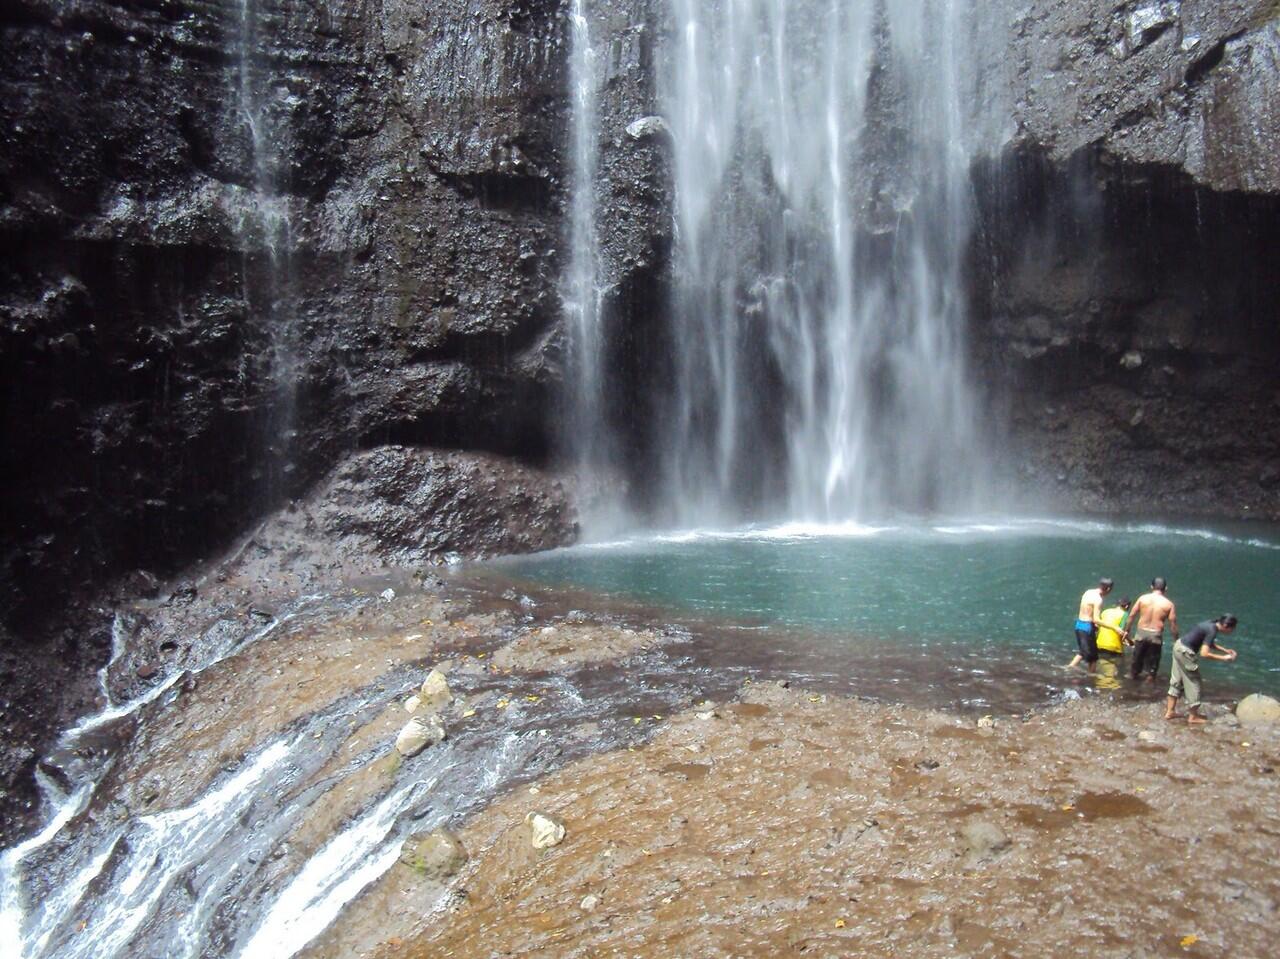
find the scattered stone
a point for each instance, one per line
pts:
(435, 855)
(1147, 736)
(982, 840)
(1131, 360)
(1147, 23)
(1257, 708)
(646, 127)
(387, 594)
(546, 830)
(435, 693)
(412, 703)
(589, 903)
(419, 733)
(987, 722)
(147, 671)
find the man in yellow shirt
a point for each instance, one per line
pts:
(1111, 643)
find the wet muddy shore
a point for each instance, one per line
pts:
(722, 793)
(788, 822)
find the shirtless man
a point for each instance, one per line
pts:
(1087, 624)
(1146, 628)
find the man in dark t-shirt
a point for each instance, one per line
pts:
(1201, 641)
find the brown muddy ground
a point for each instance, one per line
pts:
(796, 824)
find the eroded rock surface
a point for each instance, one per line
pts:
(764, 834)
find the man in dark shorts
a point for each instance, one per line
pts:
(1185, 677)
(1087, 623)
(1146, 626)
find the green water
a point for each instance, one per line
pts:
(985, 597)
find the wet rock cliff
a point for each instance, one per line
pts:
(1126, 298)
(242, 242)
(248, 244)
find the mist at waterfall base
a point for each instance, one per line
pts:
(960, 615)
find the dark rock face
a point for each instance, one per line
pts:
(164, 366)
(1125, 293)
(1193, 85)
(407, 507)
(238, 246)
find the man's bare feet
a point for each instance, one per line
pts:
(1194, 720)
(1170, 716)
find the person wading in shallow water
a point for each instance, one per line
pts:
(1111, 643)
(1087, 624)
(1146, 628)
(1184, 679)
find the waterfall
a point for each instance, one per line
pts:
(582, 294)
(822, 216)
(822, 154)
(265, 226)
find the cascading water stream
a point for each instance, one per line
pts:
(582, 293)
(216, 873)
(266, 228)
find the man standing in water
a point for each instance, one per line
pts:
(1146, 626)
(1185, 676)
(1087, 623)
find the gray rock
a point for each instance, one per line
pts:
(647, 127)
(419, 733)
(982, 840)
(436, 855)
(1257, 709)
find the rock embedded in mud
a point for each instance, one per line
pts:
(412, 703)
(589, 903)
(436, 855)
(1257, 708)
(419, 733)
(982, 841)
(547, 831)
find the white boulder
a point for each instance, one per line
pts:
(435, 694)
(546, 830)
(419, 733)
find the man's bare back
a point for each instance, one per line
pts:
(1090, 605)
(1152, 611)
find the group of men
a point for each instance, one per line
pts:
(1103, 633)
